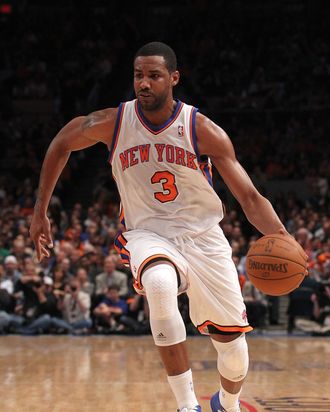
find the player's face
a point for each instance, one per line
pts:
(152, 82)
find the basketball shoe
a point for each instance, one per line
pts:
(216, 406)
(196, 408)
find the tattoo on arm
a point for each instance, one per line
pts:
(93, 119)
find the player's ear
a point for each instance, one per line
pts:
(175, 77)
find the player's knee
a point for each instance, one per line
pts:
(161, 286)
(168, 332)
(233, 358)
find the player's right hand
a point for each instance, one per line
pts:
(40, 233)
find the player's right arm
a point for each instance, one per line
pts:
(79, 133)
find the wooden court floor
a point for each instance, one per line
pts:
(117, 374)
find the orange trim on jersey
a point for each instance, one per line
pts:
(117, 133)
(163, 128)
(233, 328)
(137, 283)
(121, 215)
(210, 169)
(124, 253)
(206, 167)
(119, 245)
(124, 242)
(122, 239)
(117, 248)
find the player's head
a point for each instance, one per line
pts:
(157, 48)
(155, 74)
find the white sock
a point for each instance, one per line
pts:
(183, 389)
(229, 401)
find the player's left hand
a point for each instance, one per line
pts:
(284, 232)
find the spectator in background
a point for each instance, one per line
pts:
(76, 308)
(85, 284)
(304, 238)
(320, 267)
(47, 315)
(65, 266)
(321, 301)
(241, 276)
(111, 277)
(241, 266)
(321, 313)
(323, 233)
(111, 310)
(301, 303)
(75, 257)
(11, 274)
(60, 282)
(19, 250)
(138, 309)
(95, 265)
(273, 309)
(8, 319)
(121, 267)
(256, 305)
(26, 288)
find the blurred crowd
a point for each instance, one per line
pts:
(236, 57)
(84, 287)
(264, 85)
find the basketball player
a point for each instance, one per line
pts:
(161, 151)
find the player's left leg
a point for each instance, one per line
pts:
(233, 362)
(217, 309)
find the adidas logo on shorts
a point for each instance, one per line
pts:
(161, 336)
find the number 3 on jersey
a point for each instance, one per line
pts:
(170, 191)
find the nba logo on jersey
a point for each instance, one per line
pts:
(244, 315)
(180, 130)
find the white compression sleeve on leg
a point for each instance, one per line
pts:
(233, 358)
(160, 283)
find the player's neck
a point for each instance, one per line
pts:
(159, 117)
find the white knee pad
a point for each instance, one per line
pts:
(233, 358)
(160, 283)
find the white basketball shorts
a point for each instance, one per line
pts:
(207, 273)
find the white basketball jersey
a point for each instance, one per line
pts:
(164, 185)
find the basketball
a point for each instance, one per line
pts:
(276, 264)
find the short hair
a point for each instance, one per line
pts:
(157, 48)
(114, 287)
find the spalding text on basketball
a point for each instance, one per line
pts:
(275, 267)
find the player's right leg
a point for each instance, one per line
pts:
(155, 264)
(160, 283)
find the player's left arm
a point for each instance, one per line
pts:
(214, 142)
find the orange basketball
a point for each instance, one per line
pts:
(276, 264)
